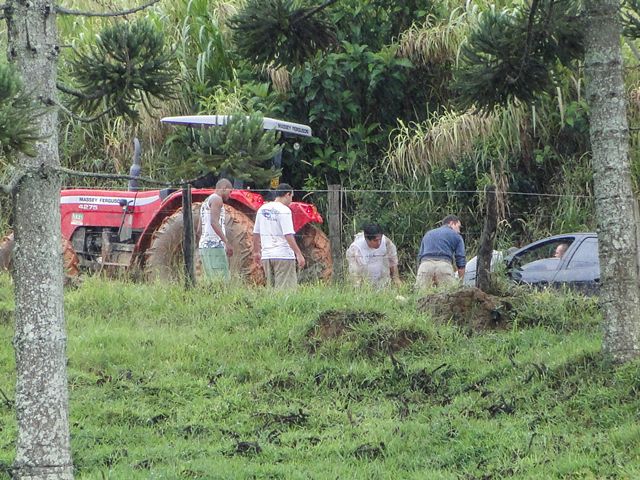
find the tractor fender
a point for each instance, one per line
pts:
(169, 206)
(247, 200)
(304, 213)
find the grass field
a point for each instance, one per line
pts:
(226, 383)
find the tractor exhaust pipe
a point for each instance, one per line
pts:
(136, 167)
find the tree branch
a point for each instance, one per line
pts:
(111, 176)
(77, 93)
(121, 13)
(10, 187)
(84, 119)
(529, 38)
(315, 10)
(115, 176)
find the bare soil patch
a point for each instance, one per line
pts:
(469, 308)
(335, 324)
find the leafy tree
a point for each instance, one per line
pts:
(17, 114)
(129, 63)
(511, 54)
(239, 149)
(281, 31)
(547, 33)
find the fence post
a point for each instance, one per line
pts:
(335, 231)
(188, 240)
(485, 253)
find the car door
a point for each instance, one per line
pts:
(536, 263)
(582, 270)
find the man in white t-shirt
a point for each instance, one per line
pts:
(274, 244)
(373, 258)
(213, 246)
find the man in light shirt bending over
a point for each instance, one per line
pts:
(373, 258)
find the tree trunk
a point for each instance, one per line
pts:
(615, 202)
(43, 451)
(487, 239)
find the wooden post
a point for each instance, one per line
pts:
(483, 267)
(188, 238)
(335, 231)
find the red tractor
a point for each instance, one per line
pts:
(142, 231)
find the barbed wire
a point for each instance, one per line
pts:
(306, 192)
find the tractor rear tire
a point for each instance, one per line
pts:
(164, 258)
(69, 257)
(316, 250)
(239, 231)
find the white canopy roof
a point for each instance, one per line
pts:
(203, 121)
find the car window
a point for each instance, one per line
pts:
(586, 255)
(544, 256)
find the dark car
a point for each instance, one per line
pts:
(569, 259)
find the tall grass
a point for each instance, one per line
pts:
(237, 383)
(417, 148)
(433, 41)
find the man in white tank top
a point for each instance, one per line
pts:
(213, 245)
(373, 258)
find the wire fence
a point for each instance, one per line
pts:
(406, 214)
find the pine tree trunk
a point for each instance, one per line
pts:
(615, 202)
(43, 450)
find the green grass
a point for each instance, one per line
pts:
(237, 383)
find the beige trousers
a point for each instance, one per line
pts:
(434, 273)
(280, 274)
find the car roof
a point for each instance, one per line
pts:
(204, 121)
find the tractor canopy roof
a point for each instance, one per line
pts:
(204, 121)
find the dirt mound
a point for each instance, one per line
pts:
(334, 324)
(468, 308)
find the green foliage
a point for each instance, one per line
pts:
(231, 382)
(239, 149)
(18, 113)
(203, 47)
(512, 53)
(127, 64)
(376, 22)
(280, 32)
(630, 15)
(350, 98)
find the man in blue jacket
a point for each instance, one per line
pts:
(440, 248)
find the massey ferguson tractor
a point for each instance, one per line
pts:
(141, 231)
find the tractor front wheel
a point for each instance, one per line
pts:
(69, 257)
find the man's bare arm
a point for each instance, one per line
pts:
(395, 274)
(216, 208)
(291, 240)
